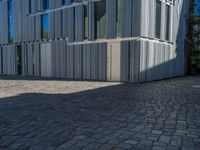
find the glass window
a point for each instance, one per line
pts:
(46, 4)
(158, 18)
(66, 2)
(10, 20)
(118, 17)
(30, 7)
(100, 19)
(85, 22)
(44, 26)
(167, 22)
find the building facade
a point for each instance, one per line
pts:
(109, 40)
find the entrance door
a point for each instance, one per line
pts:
(46, 60)
(113, 61)
(19, 60)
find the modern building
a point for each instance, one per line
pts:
(112, 40)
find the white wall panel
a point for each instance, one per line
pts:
(37, 61)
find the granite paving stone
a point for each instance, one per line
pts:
(58, 114)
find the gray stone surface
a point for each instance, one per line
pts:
(60, 115)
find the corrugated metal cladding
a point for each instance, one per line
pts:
(146, 60)
(71, 51)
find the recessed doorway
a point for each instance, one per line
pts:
(19, 59)
(113, 61)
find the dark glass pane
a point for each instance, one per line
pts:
(158, 18)
(19, 60)
(30, 6)
(100, 19)
(46, 4)
(167, 22)
(45, 26)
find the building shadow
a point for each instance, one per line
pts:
(111, 115)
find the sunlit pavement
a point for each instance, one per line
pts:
(66, 115)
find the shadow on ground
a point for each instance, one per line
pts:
(163, 114)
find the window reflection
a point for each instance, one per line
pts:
(44, 26)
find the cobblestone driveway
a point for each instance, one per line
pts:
(66, 115)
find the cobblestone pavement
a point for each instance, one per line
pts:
(73, 115)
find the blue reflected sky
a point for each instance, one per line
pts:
(45, 22)
(10, 19)
(198, 5)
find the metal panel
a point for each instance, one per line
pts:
(57, 58)
(136, 17)
(17, 21)
(51, 22)
(70, 24)
(70, 61)
(39, 5)
(152, 18)
(32, 28)
(111, 19)
(33, 6)
(46, 60)
(30, 59)
(4, 22)
(38, 27)
(86, 61)
(52, 4)
(91, 26)
(125, 52)
(171, 24)
(78, 62)
(58, 3)
(150, 61)
(9, 60)
(4, 51)
(24, 60)
(63, 58)
(94, 62)
(79, 14)
(145, 17)
(26, 22)
(102, 61)
(58, 24)
(134, 61)
(163, 20)
(65, 22)
(37, 59)
(126, 19)
(143, 61)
